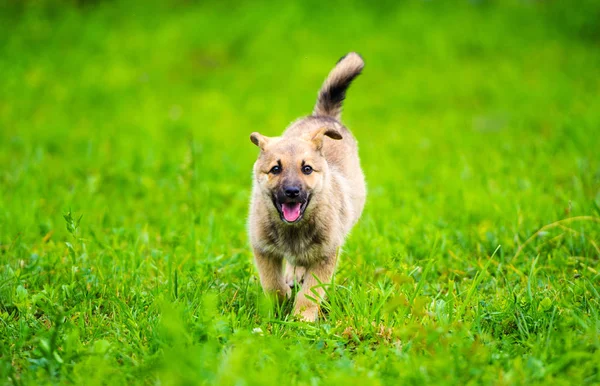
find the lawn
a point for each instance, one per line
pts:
(125, 173)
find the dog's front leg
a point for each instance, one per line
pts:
(315, 277)
(270, 270)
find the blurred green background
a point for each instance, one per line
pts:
(478, 127)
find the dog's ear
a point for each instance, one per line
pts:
(318, 135)
(259, 140)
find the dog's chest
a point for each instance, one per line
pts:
(298, 245)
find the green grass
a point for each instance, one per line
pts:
(125, 176)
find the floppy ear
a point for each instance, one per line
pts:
(319, 134)
(259, 140)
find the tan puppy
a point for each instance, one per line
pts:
(308, 192)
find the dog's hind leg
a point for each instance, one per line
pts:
(294, 275)
(270, 270)
(315, 278)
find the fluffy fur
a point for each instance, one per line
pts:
(313, 166)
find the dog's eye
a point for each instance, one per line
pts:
(306, 169)
(275, 170)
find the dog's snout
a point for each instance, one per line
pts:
(292, 191)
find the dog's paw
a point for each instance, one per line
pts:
(280, 294)
(294, 275)
(288, 292)
(284, 293)
(308, 314)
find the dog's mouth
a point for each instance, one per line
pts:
(291, 211)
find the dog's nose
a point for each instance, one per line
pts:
(292, 191)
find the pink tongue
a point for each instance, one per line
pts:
(291, 211)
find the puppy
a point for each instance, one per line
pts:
(308, 192)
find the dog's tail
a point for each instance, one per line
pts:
(333, 91)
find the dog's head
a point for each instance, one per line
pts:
(291, 171)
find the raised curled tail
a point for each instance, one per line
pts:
(333, 91)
